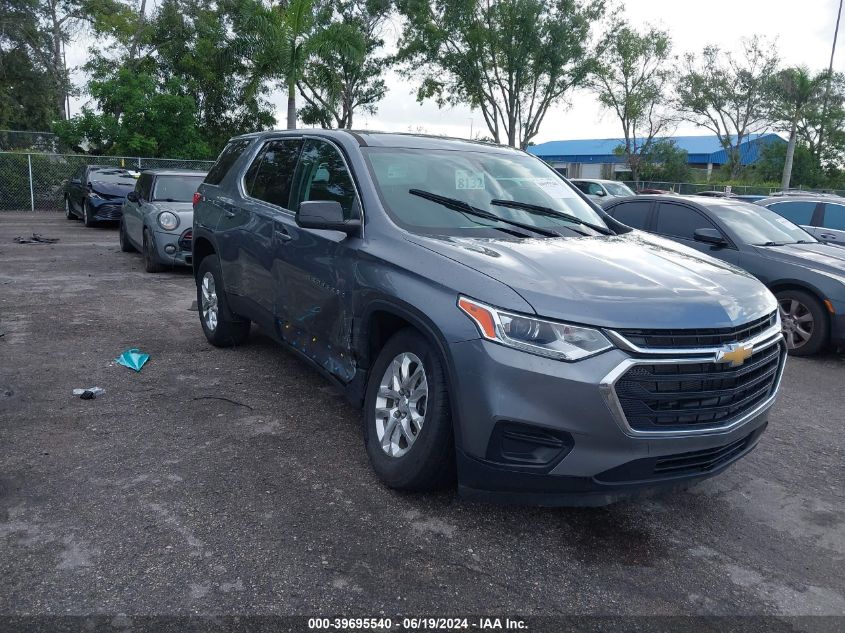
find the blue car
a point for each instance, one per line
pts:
(96, 194)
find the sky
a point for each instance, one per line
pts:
(802, 36)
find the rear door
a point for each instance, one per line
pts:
(267, 189)
(832, 227)
(75, 189)
(314, 303)
(637, 214)
(679, 222)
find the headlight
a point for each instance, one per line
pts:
(167, 220)
(537, 336)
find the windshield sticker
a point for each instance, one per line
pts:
(554, 188)
(397, 171)
(468, 179)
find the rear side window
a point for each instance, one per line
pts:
(322, 175)
(634, 214)
(797, 211)
(270, 176)
(834, 216)
(227, 158)
(582, 186)
(675, 220)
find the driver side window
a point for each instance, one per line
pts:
(322, 175)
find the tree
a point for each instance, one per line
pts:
(794, 92)
(806, 171)
(822, 128)
(727, 94)
(338, 82)
(664, 161)
(630, 77)
(280, 39)
(511, 59)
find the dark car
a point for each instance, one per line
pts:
(487, 316)
(823, 216)
(807, 277)
(95, 193)
(658, 192)
(158, 217)
(716, 194)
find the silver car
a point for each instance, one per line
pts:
(821, 215)
(602, 190)
(158, 217)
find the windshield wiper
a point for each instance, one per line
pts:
(466, 207)
(551, 213)
(774, 244)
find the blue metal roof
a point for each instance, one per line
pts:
(701, 149)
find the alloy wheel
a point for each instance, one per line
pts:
(401, 404)
(797, 322)
(209, 302)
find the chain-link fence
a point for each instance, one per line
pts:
(36, 182)
(689, 188)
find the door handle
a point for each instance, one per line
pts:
(827, 236)
(283, 235)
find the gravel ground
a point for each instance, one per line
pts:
(235, 481)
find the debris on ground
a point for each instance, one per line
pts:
(90, 393)
(133, 359)
(36, 238)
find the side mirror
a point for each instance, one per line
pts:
(710, 236)
(601, 193)
(326, 215)
(132, 196)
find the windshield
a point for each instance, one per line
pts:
(476, 178)
(759, 226)
(116, 176)
(176, 188)
(618, 189)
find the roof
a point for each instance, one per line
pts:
(175, 172)
(370, 138)
(701, 149)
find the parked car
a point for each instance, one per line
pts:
(158, 217)
(807, 277)
(601, 190)
(716, 194)
(96, 193)
(656, 192)
(488, 318)
(823, 216)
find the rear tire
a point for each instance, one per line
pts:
(392, 414)
(125, 244)
(806, 327)
(220, 325)
(151, 264)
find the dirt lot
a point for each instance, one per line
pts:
(235, 481)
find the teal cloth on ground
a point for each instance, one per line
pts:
(133, 359)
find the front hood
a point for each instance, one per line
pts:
(185, 211)
(824, 257)
(111, 189)
(626, 281)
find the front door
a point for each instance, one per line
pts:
(679, 222)
(314, 302)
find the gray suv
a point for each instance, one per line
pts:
(493, 323)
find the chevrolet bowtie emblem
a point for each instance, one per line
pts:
(735, 354)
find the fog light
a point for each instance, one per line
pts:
(170, 249)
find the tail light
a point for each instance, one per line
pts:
(197, 197)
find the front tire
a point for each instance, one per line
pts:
(87, 214)
(220, 325)
(69, 214)
(151, 263)
(125, 244)
(407, 415)
(805, 324)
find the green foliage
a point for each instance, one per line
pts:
(511, 59)
(339, 80)
(806, 170)
(663, 160)
(728, 94)
(631, 76)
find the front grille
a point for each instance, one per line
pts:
(186, 240)
(109, 212)
(681, 396)
(679, 339)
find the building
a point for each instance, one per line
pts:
(595, 158)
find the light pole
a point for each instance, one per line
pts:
(829, 77)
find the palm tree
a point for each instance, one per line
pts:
(280, 39)
(795, 91)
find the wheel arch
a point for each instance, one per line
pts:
(802, 286)
(201, 247)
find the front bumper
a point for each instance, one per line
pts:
(180, 251)
(594, 457)
(837, 324)
(106, 210)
